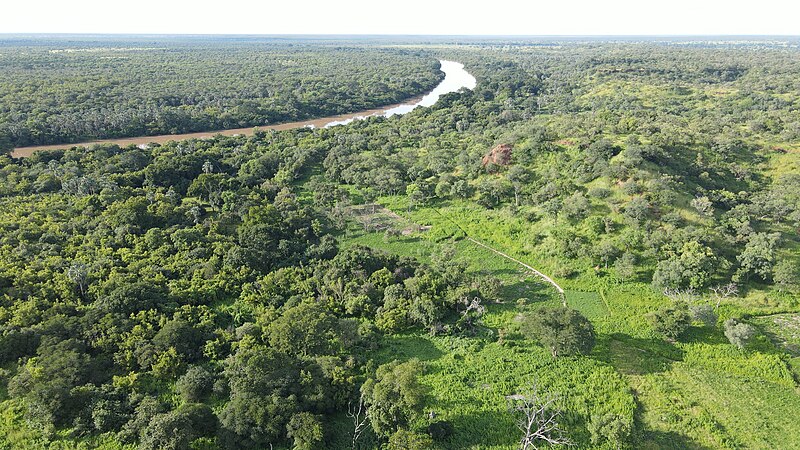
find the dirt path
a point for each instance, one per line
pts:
(510, 258)
(539, 274)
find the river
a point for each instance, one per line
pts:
(455, 78)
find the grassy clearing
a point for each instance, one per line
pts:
(695, 394)
(783, 330)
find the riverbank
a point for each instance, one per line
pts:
(455, 78)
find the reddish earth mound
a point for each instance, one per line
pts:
(500, 155)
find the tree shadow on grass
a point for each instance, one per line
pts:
(707, 335)
(663, 440)
(532, 290)
(405, 347)
(481, 429)
(637, 356)
(496, 428)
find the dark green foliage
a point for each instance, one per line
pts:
(305, 329)
(440, 430)
(671, 321)
(187, 85)
(704, 314)
(48, 383)
(403, 439)
(179, 334)
(177, 429)
(195, 384)
(562, 330)
(786, 275)
(758, 255)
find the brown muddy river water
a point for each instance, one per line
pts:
(455, 78)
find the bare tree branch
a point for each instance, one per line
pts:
(538, 418)
(724, 291)
(359, 415)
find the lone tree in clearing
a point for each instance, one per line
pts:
(738, 333)
(562, 330)
(671, 321)
(537, 417)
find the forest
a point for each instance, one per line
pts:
(360, 286)
(56, 92)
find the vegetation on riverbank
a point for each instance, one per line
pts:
(57, 91)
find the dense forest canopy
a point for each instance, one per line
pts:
(337, 288)
(55, 92)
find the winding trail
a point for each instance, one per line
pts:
(510, 258)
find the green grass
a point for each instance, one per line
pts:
(783, 329)
(700, 393)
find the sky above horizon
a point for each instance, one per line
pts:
(496, 17)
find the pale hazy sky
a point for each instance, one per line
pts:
(521, 17)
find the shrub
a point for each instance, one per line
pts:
(704, 314)
(739, 334)
(671, 321)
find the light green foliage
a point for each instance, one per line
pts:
(408, 440)
(738, 333)
(305, 430)
(394, 398)
(610, 428)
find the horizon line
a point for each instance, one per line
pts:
(687, 35)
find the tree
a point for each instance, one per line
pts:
(518, 176)
(758, 255)
(78, 274)
(703, 206)
(703, 313)
(691, 268)
(462, 189)
(195, 384)
(491, 192)
(786, 275)
(306, 329)
(562, 330)
(576, 206)
(625, 266)
(537, 415)
(637, 209)
(177, 429)
(610, 427)
(360, 418)
(724, 291)
(394, 396)
(738, 333)
(48, 382)
(415, 195)
(403, 439)
(179, 334)
(671, 321)
(305, 430)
